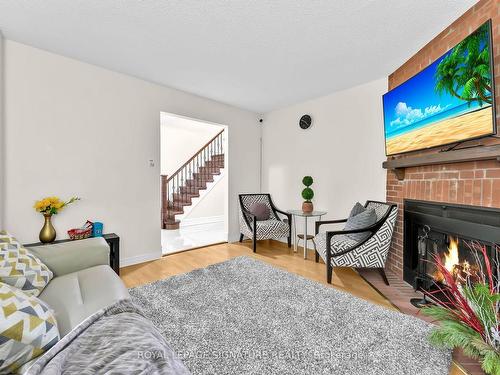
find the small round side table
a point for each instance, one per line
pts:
(306, 237)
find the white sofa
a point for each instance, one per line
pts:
(83, 281)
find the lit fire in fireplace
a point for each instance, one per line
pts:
(451, 261)
(451, 258)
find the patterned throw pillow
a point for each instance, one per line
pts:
(362, 220)
(20, 268)
(27, 328)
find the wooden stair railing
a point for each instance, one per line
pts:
(178, 189)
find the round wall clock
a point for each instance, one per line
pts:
(305, 122)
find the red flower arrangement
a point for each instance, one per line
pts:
(468, 312)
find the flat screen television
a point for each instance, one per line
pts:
(450, 101)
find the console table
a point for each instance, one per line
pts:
(114, 249)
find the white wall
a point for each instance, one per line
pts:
(2, 148)
(343, 150)
(77, 129)
(181, 138)
(213, 203)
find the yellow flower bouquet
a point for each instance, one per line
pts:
(52, 205)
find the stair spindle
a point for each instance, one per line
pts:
(210, 158)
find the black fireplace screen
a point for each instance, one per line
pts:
(455, 253)
(446, 231)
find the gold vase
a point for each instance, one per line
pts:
(48, 233)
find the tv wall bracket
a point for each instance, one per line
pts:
(399, 165)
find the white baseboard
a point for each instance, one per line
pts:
(202, 220)
(139, 259)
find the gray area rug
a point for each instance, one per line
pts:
(246, 317)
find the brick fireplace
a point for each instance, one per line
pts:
(474, 183)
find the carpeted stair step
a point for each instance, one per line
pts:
(182, 198)
(171, 213)
(191, 190)
(203, 177)
(196, 183)
(178, 207)
(213, 164)
(219, 157)
(171, 224)
(208, 171)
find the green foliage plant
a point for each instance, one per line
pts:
(307, 193)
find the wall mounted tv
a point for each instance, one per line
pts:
(450, 101)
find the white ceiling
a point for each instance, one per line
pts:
(254, 54)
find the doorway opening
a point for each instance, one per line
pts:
(194, 183)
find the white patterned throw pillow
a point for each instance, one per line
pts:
(28, 328)
(20, 268)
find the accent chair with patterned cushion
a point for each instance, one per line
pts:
(274, 227)
(344, 248)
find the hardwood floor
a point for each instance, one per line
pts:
(273, 252)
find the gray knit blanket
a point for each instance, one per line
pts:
(117, 340)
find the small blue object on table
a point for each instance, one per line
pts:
(97, 229)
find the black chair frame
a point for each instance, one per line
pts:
(329, 235)
(253, 224)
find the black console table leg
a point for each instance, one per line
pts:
(114, 251)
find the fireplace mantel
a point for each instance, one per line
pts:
(398, 165)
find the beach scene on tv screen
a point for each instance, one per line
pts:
(449, 101)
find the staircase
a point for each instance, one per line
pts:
(190, 180)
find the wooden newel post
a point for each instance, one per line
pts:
(164, 200)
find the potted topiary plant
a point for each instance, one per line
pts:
(307, 194)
